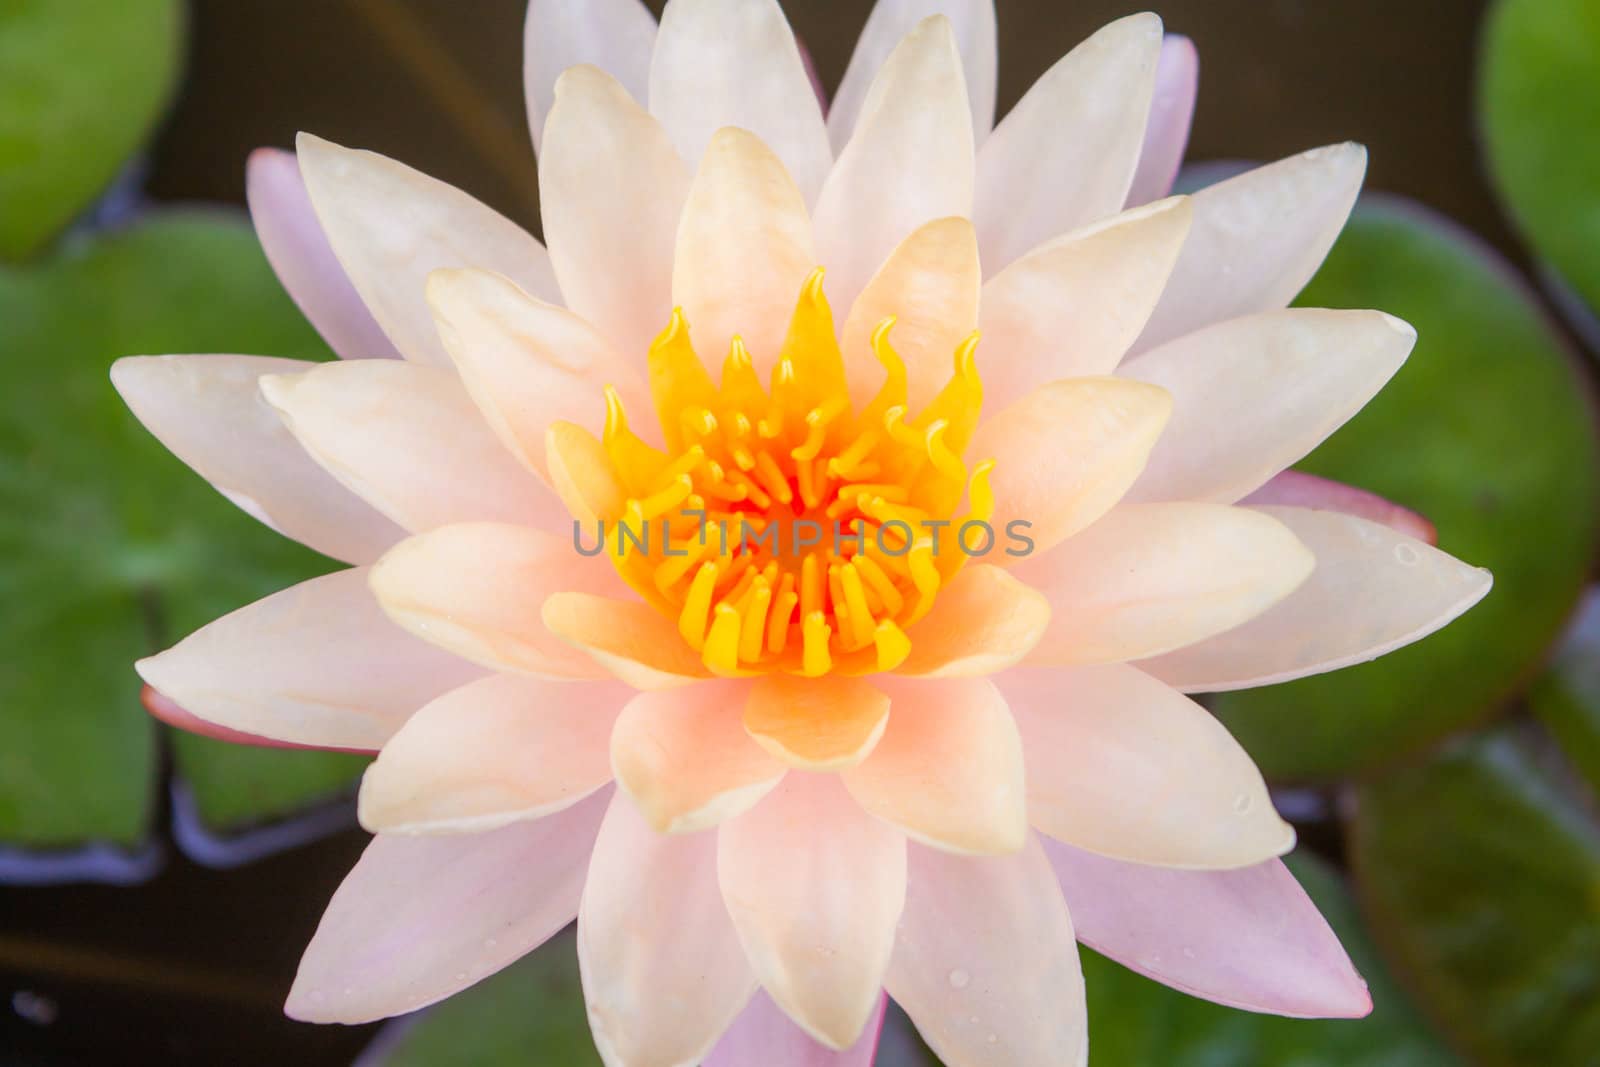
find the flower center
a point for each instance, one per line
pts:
(783, 529)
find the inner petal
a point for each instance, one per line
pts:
(782, 528)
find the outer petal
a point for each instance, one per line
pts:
(660, 1000)
(209, 412)
(526, 363)
(1068, 451)
(1121, 765)
(930, 285)
(1166, 135)
(986, 964)
(392, 226)
(1150, 578)
(497, 751)
(1254, 395)
(315, 664)
(615, 35)
(982, 621)
(764, 1034)
(816, 724)
(1065, 156)
(628, 638)
(299, 252)
(420, 918)
(973, 24)
(1071, 308)
(684, 758)
(611, 188)
(162, 707)
(476, 590)
(744, 250)
(1374, 590)
(1249, 938)
(407, 439)
(908, 162)
(1297, 489)
(724, 63)
(949, 769)
(1257, 239)
(815, 887)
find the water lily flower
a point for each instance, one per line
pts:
(772, 780)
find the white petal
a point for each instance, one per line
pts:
(1071, 308)
(1374, 590)
(663, 971)
(298, 250)
(949, 769)
(973, 23)
(724, 63)
(930, 285)
(1166, 135)
(1252, 396)
(1257, 239)
(1065, 156)
(1149, 578)
(611, 188)
(1249, 938)
(815, 886)
(1121, 765)
(392, 226)
(684, 759)
(744, 250)
(528, 364)
(986, 964)
(408, 439)
(208, 410)
(615, 35)
(421, 918)
(318, 663)
(908, 162)
(477, 589)
(496, 751)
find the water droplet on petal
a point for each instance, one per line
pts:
(959, 979)
(1242, 803)
(1406, 556)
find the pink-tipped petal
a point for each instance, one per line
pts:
(1247, 938)
(165, 709)
(1297, 489)
(764, 1034)
(299, 252)
(663, 971)
(1166, 135)
(317, 664)
(421, 918)
(985, 961)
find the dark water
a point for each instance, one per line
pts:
(191, 967)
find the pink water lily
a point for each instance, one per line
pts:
(775, 784)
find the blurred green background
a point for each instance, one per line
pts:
(156, 889)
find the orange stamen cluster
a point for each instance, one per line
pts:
(742, 459)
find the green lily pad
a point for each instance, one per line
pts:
(530, 1013)
(82, 83)
(1135, 1020)
(1480, 872)
(1539, 103)
(1489, 431)
(110, 548)
(1566, 698)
